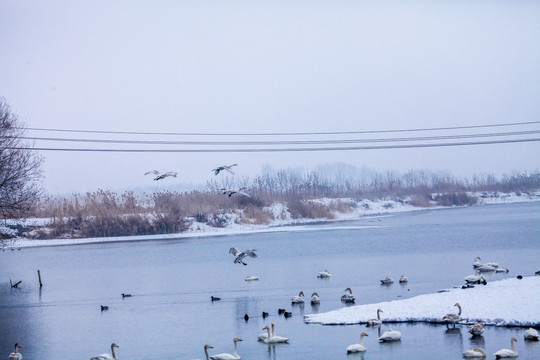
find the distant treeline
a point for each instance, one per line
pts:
(104, 213)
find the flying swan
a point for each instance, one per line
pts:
(225, 356)
(354, 348)
(240, 255)
(224, 167)
(160, 176)
(107, 356)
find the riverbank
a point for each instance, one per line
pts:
(281, 220)
(509, 302)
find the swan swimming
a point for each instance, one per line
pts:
(403, 279)
(324, 274)
(452, 318)
(476, 353)
(226, 356)
(390, 336)
(315, 299)
(506, 353)
(476, 329)
(531, 334)
(206, 347)
(387, 280)
(477, 263)
(273, 339)
(107, 356)
(264, 335)
(251, 278)
(298, 299)
(16, 355)
(354, 348)
(377, 321)
(348, 298)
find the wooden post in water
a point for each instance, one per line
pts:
(39, 277)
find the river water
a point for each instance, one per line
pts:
(170, 315)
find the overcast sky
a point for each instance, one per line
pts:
(265, 67)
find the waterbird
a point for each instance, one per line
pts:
(315, 299)
(246, 317)
(206, 347)
(387, 280)
(377, 321)
(214, 298)
(390, 335)
(264, 314)
(126, 295)
(287, 314)
(476, 353)
(111, 356)
(224, 167)
(104, 307)
(264, 335)
(226, 356)
(240, 255)
(281, 311)
(324, 274)
(452, 318)
(16, 355)
(403, 279)
(231, 192)
(272, 339)
(298, 299)
(354, 348)
(531, 334)
(476, 329)
(159, 175)
(349, 298)
(507, 353)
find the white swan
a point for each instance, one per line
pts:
(273, 339)
(403, 279)
(298, 299)
(492, 264)
(107, 356)
(531, 334)
(160, 176)
(348, 297)
(354, 348)
(251, 278)
(477, 263)
(390, 336)
(315, 298)
(377, 321)
(476, 329)
(486, 268)
(16, 355)
(225, 356)
(502, 270)
(387, 280)
(452, 318)
(506, 353)
(324, 274)
(264, 335)
(475, 279)
(476, 353)
(206, 347)
(224, 167)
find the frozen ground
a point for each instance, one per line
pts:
(510, 302)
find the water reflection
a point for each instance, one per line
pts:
(477, 341)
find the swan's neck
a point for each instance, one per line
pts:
(361, 342)
(235, 345)
(512, 345)
(113, 354)
(459, 312)
(268, 329)
(378, 314)
(273, 330)
(206, 353)
(350, 291)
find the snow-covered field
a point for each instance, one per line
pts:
(282, 220)
(510, 302)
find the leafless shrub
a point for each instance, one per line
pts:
(421, 201)
(455, 199)
(255, 215)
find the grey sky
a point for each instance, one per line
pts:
(279, 66)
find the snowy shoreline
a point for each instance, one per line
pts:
(509, 302)
(366, 209)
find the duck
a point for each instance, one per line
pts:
(390, 335)
(531, 334)
(476, 353)
(452, 318)
(403, 279)
(226, 356)
(16, 355)
(264, 314)
(355, 348)
(324, 274)
(377, 321)
(315, 299)
(287, 314)
(111, 356)
(298, 299)
(348, 298)
(273, 339)
(246, 317)
(387, 280)
(507, 353)
(281, 311)
(214, 298)
(104, 307)
(476, 329)
(126, 295)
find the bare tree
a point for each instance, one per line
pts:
(19, 166)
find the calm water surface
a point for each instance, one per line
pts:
(170, 315)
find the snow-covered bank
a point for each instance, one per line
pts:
(281, 220)
(510, 302)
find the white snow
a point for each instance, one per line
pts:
(510, 302)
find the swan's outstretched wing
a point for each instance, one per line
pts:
(250, 253)
(234, 251)
(155, 172)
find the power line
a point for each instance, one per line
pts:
(284, 142)
(282, 133)
(375, 147)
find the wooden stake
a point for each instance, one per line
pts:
(39, 277)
